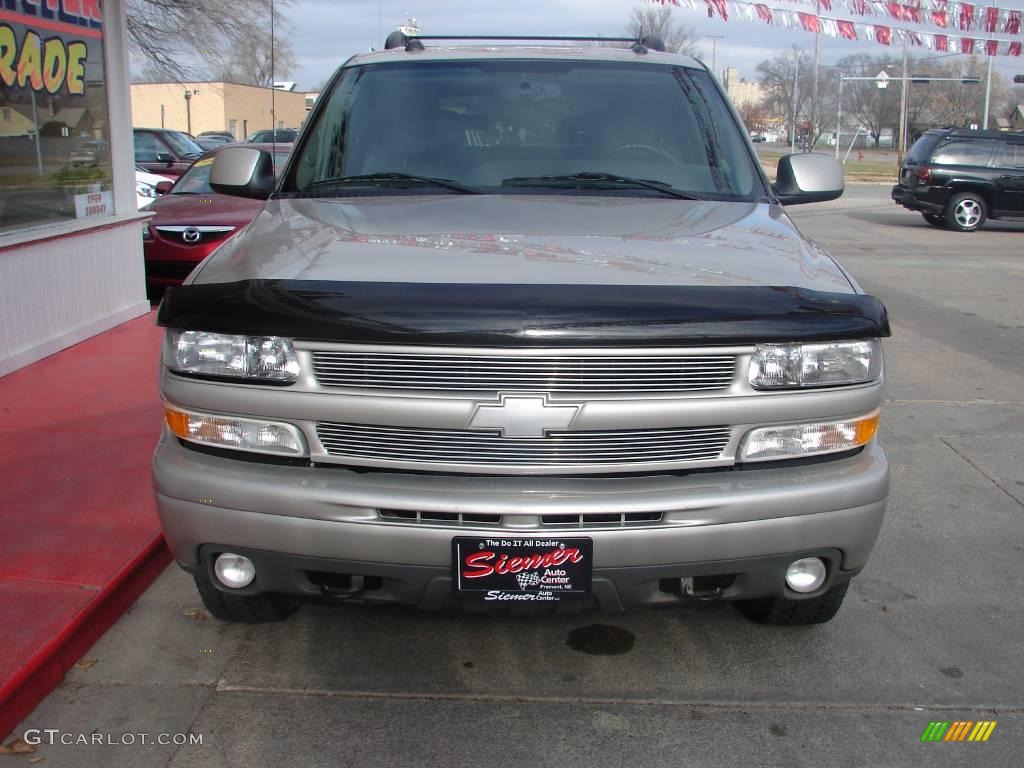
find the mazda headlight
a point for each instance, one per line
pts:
(142, 189)
(257, 358)
(826, 364)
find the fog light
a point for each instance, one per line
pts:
(805, 575)
(235, 571)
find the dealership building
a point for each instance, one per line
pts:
(70, 247)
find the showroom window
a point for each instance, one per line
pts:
(54, 143)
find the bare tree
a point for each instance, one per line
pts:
(190, 39)
(875, 109)
(250, 62)
(777, 79)
(959, 104)
(661, 21)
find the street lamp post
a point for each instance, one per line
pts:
(188, 109)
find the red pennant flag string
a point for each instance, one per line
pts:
(1012, 23)
(991, 19)
(966, 15)
(847, 30)
(883, 34)
(809, 22)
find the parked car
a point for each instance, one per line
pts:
(227, 136)
(89, 152)
(213, 141)
(191, 221)
(165, 152)
(281, 136)
(959, 179)
(145, 187)
(482, 356)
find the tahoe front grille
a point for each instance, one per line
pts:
(622, 448)
(524, 373)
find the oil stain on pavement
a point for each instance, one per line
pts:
(601, 640)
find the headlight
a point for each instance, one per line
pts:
(242, 434)
(265, 358)
(142, 189)
(795, 441)
(795, 366)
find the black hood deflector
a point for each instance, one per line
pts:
(498, 315)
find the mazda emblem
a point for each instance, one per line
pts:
(191, 235)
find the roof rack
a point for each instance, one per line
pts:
(399, 39)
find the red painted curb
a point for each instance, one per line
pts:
(45, 669)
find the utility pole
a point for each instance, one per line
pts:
(903, 110)
(813, 134)
(714, 53)
(796, 85)
(988, 83)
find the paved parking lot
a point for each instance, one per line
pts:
(932, 630)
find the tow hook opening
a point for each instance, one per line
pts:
(705, 589)
(343, 586)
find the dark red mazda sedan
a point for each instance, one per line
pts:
(191, 221)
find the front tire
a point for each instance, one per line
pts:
(247, 609)
(934, 219)
(785, 612)
(966, 212)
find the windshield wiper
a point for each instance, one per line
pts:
(392, 176)
(590, 179)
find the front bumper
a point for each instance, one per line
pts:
(299, 523)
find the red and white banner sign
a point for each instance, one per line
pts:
(935, 13)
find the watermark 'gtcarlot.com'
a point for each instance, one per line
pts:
(51, 736)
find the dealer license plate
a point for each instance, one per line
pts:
(506, 570)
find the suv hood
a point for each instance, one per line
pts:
(525, 239)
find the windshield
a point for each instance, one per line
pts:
(196, 180)
(181, 143)
(501, 125)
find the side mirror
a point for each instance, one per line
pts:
(808, 178)
(165, 157)
(163, 187)
(243, 172)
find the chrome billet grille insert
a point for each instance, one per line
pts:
(478, 519)
(524, 373)
(426, 517)
(414, 445)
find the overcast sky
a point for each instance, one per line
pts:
(329, 31)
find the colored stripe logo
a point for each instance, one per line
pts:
(958, 730)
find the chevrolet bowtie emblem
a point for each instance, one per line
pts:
(523, 416)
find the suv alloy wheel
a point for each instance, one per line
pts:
(966, 212)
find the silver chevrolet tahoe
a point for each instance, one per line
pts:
(520, 327)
